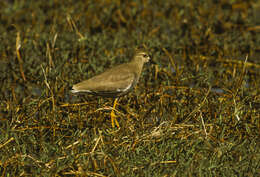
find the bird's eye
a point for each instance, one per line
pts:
(145, 56)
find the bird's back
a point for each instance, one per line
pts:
(112, 82)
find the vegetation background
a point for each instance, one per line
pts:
(195, 111)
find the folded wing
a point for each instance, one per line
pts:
(112, 83)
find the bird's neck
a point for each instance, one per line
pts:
(138, 64)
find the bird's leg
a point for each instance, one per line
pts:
(113, 115)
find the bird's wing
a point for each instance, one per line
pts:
(112, 81)
(118, 79)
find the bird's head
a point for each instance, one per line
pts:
(142, 55)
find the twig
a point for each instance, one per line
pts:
(18, 46)
(8, 141)
(48, 86)
(204, 127)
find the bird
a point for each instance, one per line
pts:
(115, 82)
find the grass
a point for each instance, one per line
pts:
(194, 112)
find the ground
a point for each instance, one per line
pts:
(194, 112)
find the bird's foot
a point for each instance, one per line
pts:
(113, 119)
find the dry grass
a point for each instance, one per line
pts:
(195, 111)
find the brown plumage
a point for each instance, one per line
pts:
(116, 81)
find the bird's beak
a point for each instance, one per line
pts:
(151, 60)
(148, 59)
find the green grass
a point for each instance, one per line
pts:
(194, 112)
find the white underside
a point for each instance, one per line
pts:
(125, 89)
(77, 91)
